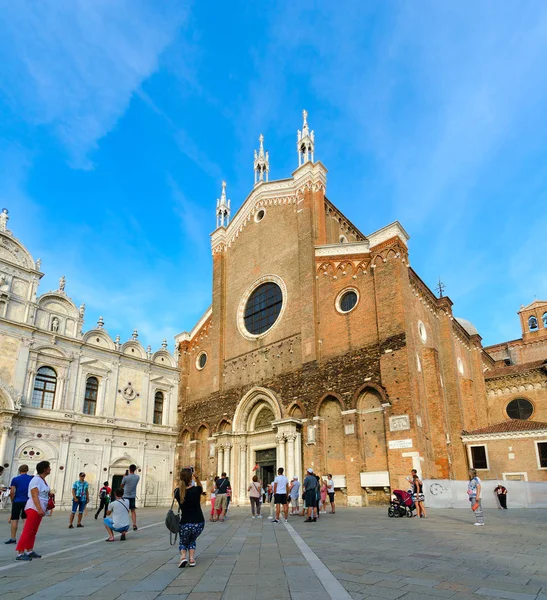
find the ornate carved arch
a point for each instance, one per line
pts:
(249, 401)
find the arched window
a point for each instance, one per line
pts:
(532, 323)
(544, 319)
(91, 392)
(45, 385)
(158, 408)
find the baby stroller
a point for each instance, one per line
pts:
(401, 505)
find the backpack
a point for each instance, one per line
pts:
(172, 522)
(103, 494)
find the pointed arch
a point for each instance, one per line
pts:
(372, 386)
(327, 397)
(296, 410)
(224, 425)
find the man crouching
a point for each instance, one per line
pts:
(118, 517)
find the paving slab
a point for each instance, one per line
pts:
(357, 553)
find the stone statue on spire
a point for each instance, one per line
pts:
(305, 142)
(261, 163)
(62, 283)
(223, 208)
(4, 218)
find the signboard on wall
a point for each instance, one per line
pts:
(399, 444)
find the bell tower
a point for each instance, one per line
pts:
(261, 163)
(305, 143)
(223, 208)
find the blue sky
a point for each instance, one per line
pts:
(120, 118)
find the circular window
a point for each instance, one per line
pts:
(260, 215)
(201, 360)
(422, 332)
(347, 300)
(263, 308)
(519, 409)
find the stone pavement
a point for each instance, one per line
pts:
(357, 553)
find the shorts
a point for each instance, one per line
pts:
(418, 497)
(294, 501)
(221, 502)
(131, 503)
(280, 498)
(310, 498)
(18, 510)
(110, 523)
(331, 496)
(78, 506)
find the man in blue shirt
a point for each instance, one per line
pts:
(19, 496)
(80, 496)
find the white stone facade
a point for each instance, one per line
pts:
(130, 415)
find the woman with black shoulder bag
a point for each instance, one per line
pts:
(192, 522)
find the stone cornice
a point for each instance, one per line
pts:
(483, 437)
(352, 248)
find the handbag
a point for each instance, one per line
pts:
(172, 522)
(475, 506)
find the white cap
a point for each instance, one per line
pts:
(310, 470)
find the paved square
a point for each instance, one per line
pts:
(357, 553)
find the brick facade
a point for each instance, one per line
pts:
(365, 395)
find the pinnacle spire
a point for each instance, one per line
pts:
(223, 208)
(305, 143)
(261, 162)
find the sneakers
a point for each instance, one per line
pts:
(253, 517)
(479, 524)
(11, 541)
(275, 521)
(313, 520)
(135, 528)
(183, 563)
(79, 525)
(259, 516)
(286, 520)
(122, 537)
(33, 554)
(24, 557)
(270, 518)
(308, 520)
(71, 526)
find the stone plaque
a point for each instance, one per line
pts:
(399, 444)
(399, 423)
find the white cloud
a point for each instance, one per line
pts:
(74, 64)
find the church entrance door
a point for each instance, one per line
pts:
(266, 461)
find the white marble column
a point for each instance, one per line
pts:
(242, 473)
(227, 453)
(220, 459)
(4, 431)
(290, 471)
(298, 456)
(281, 451)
